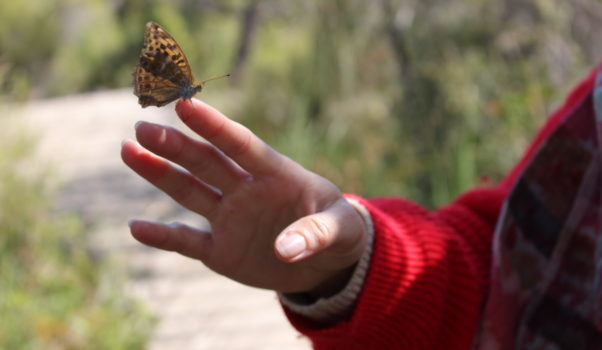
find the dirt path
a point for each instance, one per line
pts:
(197, 309)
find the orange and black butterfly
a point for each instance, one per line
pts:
(163, 73)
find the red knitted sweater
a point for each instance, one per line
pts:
(428, 275)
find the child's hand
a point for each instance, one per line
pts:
(273, 223)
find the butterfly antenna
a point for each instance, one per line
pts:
(215, 77)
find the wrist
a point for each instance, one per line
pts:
(332, 285)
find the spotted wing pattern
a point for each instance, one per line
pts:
(163, 74)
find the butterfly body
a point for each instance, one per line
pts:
(163, 73)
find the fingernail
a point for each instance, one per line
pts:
(291, 245)
(138, 123)
(134, 221)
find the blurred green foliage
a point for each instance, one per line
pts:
(415, 98)
(422, 99)
(54, 292)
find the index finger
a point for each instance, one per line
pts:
(232, 138)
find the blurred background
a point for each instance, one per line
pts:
(421, 99)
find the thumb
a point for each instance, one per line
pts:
(338, 229)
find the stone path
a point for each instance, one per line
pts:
(196, 308)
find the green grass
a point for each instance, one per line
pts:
(425, 114)
(54, 292)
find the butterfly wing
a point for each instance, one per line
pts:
(163, 73)
(153, 90)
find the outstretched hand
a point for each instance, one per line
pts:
(274, 224)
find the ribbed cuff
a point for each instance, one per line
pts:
(341, 304)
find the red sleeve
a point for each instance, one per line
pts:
(428, 274)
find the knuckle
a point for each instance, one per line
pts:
(181, 193)
(176, 141)
(215, 130)
(174, 239)
(242, 144)
(199, 164)
(319, 232)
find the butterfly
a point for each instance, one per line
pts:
(163, 73)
